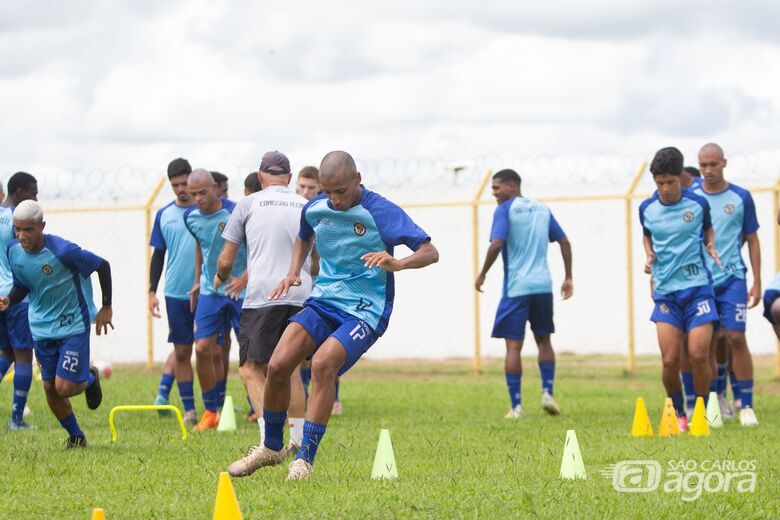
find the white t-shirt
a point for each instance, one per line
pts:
(268, 221)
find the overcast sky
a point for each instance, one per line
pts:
(90, 85)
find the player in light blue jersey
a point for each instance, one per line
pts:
(735, 223)
(206, 221)
(55, 273)
(16, 343)
(356, 232)
(170, 235)
(675, 222)
(522, 229)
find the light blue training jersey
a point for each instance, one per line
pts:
(375, 224)
(733, 218)
(207, 230)
(527, 227)
(57, 277)
(6, 236)
(171, 234)
(676, 231)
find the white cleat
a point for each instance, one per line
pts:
(299, 469)
(515, 413)
(256, 458)
(549, 405)
(737, 405)
(726, 411)
(747, 417)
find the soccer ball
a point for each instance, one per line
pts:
(104, 367)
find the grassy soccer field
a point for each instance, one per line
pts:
(456, 455)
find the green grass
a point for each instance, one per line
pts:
(456, 455)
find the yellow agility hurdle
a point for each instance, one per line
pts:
(142, 408)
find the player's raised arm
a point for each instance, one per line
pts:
(301, 251)
(567, 289)
(494, 249)
(105, 314)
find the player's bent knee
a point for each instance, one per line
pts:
(736, 339)
(183, 354)
(323, 369)
(67, 388)
(278, 372)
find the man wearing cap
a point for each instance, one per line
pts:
(170, 234)
(267, 222)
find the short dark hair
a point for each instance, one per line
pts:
(179, 167)
(309, 172)
(508, 176)
(692, 171)
(219, 178)
(667, 160)
(252, 183)
(20, 181)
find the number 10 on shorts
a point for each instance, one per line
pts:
(703, 308)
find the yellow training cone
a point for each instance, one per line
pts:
(98, 514)
(226, 506)
(698, 427)
(641, 426)
(9, 376)
(669, 425)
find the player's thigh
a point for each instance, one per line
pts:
(5, 340)
(260, 332)
(47, 354)
(354, 337)
(209, 316)
(73, 362)
(181, 321)
(670, 340)
(732, 306)
(772, 306)
(511, 317)
(295, 345)
(699, 343)
(540, 315)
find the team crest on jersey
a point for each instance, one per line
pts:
(729, 209)
(47, 269)
(663, 308)
(360, 229)
(688, 216)
(221, 227)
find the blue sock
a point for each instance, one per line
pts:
(690, 393)
(722, 370)
(166, 383)
(187, 395)
(210, 400)
(5, 364)
(677, 402)
(251, 408)
(312, 436)
(90, 379)
(513, 385)
(306, 379)
(714, 385)
(547, 368)
(746, 393)
(221, 390)
(22, 383)
(338, 383)
(71, 424)
(734, 386)
(274, 429)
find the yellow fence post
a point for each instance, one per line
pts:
(631, 361)
(776, 205)
(148, 231)
(475, 254)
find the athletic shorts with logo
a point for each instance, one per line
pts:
(66, 358)
(513, 314)
(731, 300)
(15, 329)
(685, 309)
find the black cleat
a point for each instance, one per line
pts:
(93, 393)
(76, 441)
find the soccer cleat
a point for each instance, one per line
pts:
(682, 423)
(725, 408)
(76, 441)
(256, 458)
(337, 408)
(747, 417)
(293, 449)
(515, 413)
(190, 418)
(299, 470)
(16, 426)
(93, 393)
(549, 405)
(737, 405)
(208, 421)
(161, 400)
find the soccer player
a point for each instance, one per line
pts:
(308, 185)
(16, 343)
(690, 178)
(55, 273)
(170, 234)
(734, 221)
(675, 223)
(251, 184)
(522, 229)
(268, 224)
(206, 221)
(348, 310)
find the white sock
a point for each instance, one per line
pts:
(261, 425)
(296, 430)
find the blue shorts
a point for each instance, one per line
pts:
(513, 313)
(322, 321)
(181, 321)
(214, 314)
(685, 309)
(731, 300)
(769, 298)
(67, 358)
(15, 329)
